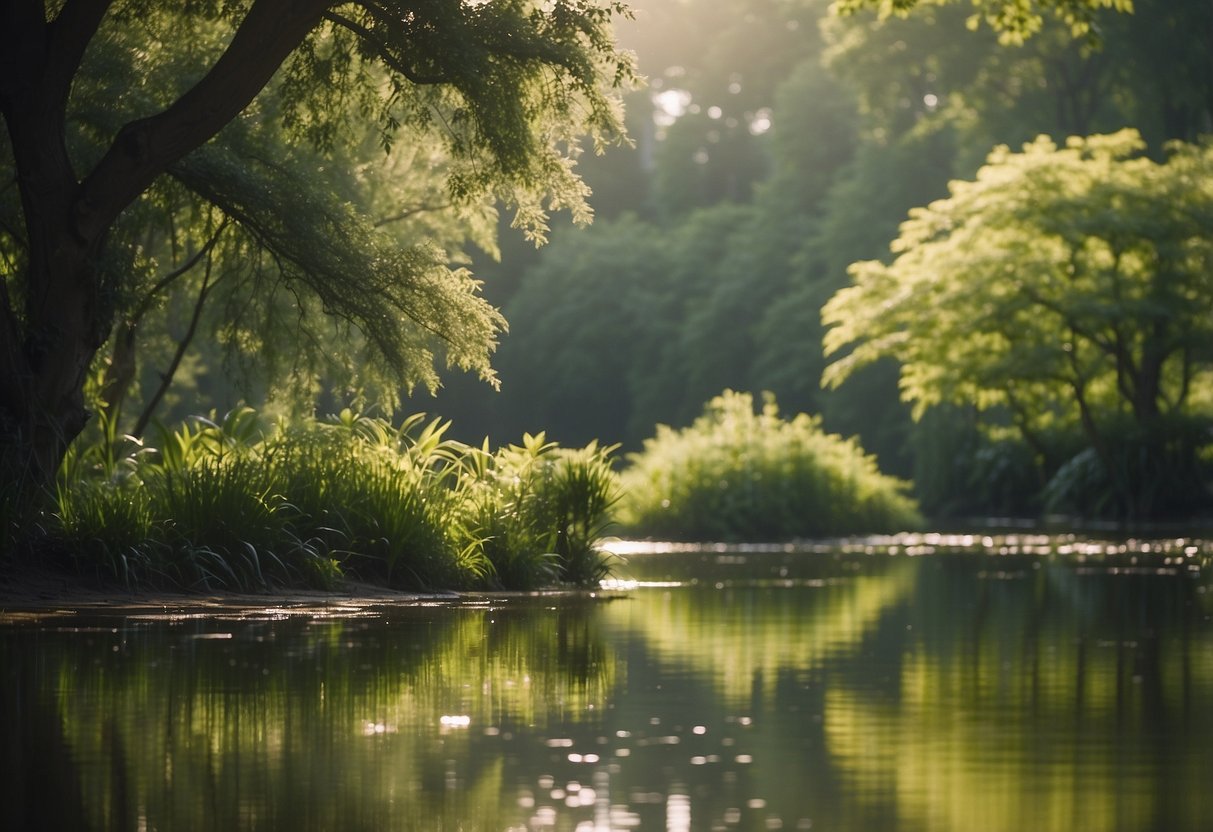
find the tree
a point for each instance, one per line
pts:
(593, 317)
(508, 86)
(1014, 20)
(1065, 286)
(204, 297)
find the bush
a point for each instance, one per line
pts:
(240, 505)
(739, 475)
(1141, 475)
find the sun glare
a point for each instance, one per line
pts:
(671, 105)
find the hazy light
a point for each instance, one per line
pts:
(678, 813)
(761, 122)
(931, 100)
(671, 105)
(715, 112)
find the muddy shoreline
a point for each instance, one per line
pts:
(42, 590)
(34, 594)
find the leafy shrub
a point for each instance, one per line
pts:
(739, 475)
(1161, 474)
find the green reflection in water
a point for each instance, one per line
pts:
(733, 634)
(747, 691)
(297, 723)
(1049, 699)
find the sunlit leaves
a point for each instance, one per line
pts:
(1014, 20)
(507, 86)
(739, 475)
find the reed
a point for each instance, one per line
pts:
(387, 497)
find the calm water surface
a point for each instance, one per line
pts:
(904, 684)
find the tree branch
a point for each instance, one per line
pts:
(409, 212)
(144, 149)
(166, 378)
(176, 273)
(381, 49)
(68, 35)
(23, 35)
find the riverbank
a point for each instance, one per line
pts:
(42, 590)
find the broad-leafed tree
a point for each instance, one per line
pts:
(1067, 286)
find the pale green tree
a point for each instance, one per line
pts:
(1066, 286)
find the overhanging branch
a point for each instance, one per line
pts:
(144, 149)
(381, 49)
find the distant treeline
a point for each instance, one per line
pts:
(776, 146)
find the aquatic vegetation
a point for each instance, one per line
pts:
(244, 504)
(739, 475)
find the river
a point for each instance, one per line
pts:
(911, 683)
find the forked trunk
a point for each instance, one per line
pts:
(54, 315)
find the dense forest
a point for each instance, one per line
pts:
(775, 145)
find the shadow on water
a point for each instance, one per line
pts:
(900, 683)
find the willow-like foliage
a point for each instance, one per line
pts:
(104, 102)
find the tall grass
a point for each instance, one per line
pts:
(737, 474)
(539, 510)
(388, 498)
(242, 504)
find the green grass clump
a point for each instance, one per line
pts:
(239, 504)
(539, 510)
(388, 498)
(739, 475)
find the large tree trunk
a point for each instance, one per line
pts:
(44, 369)
(47, 345)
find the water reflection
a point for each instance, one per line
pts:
(828, 689)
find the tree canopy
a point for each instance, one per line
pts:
(129, 118)
(1014, 20)
(1066, 286)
